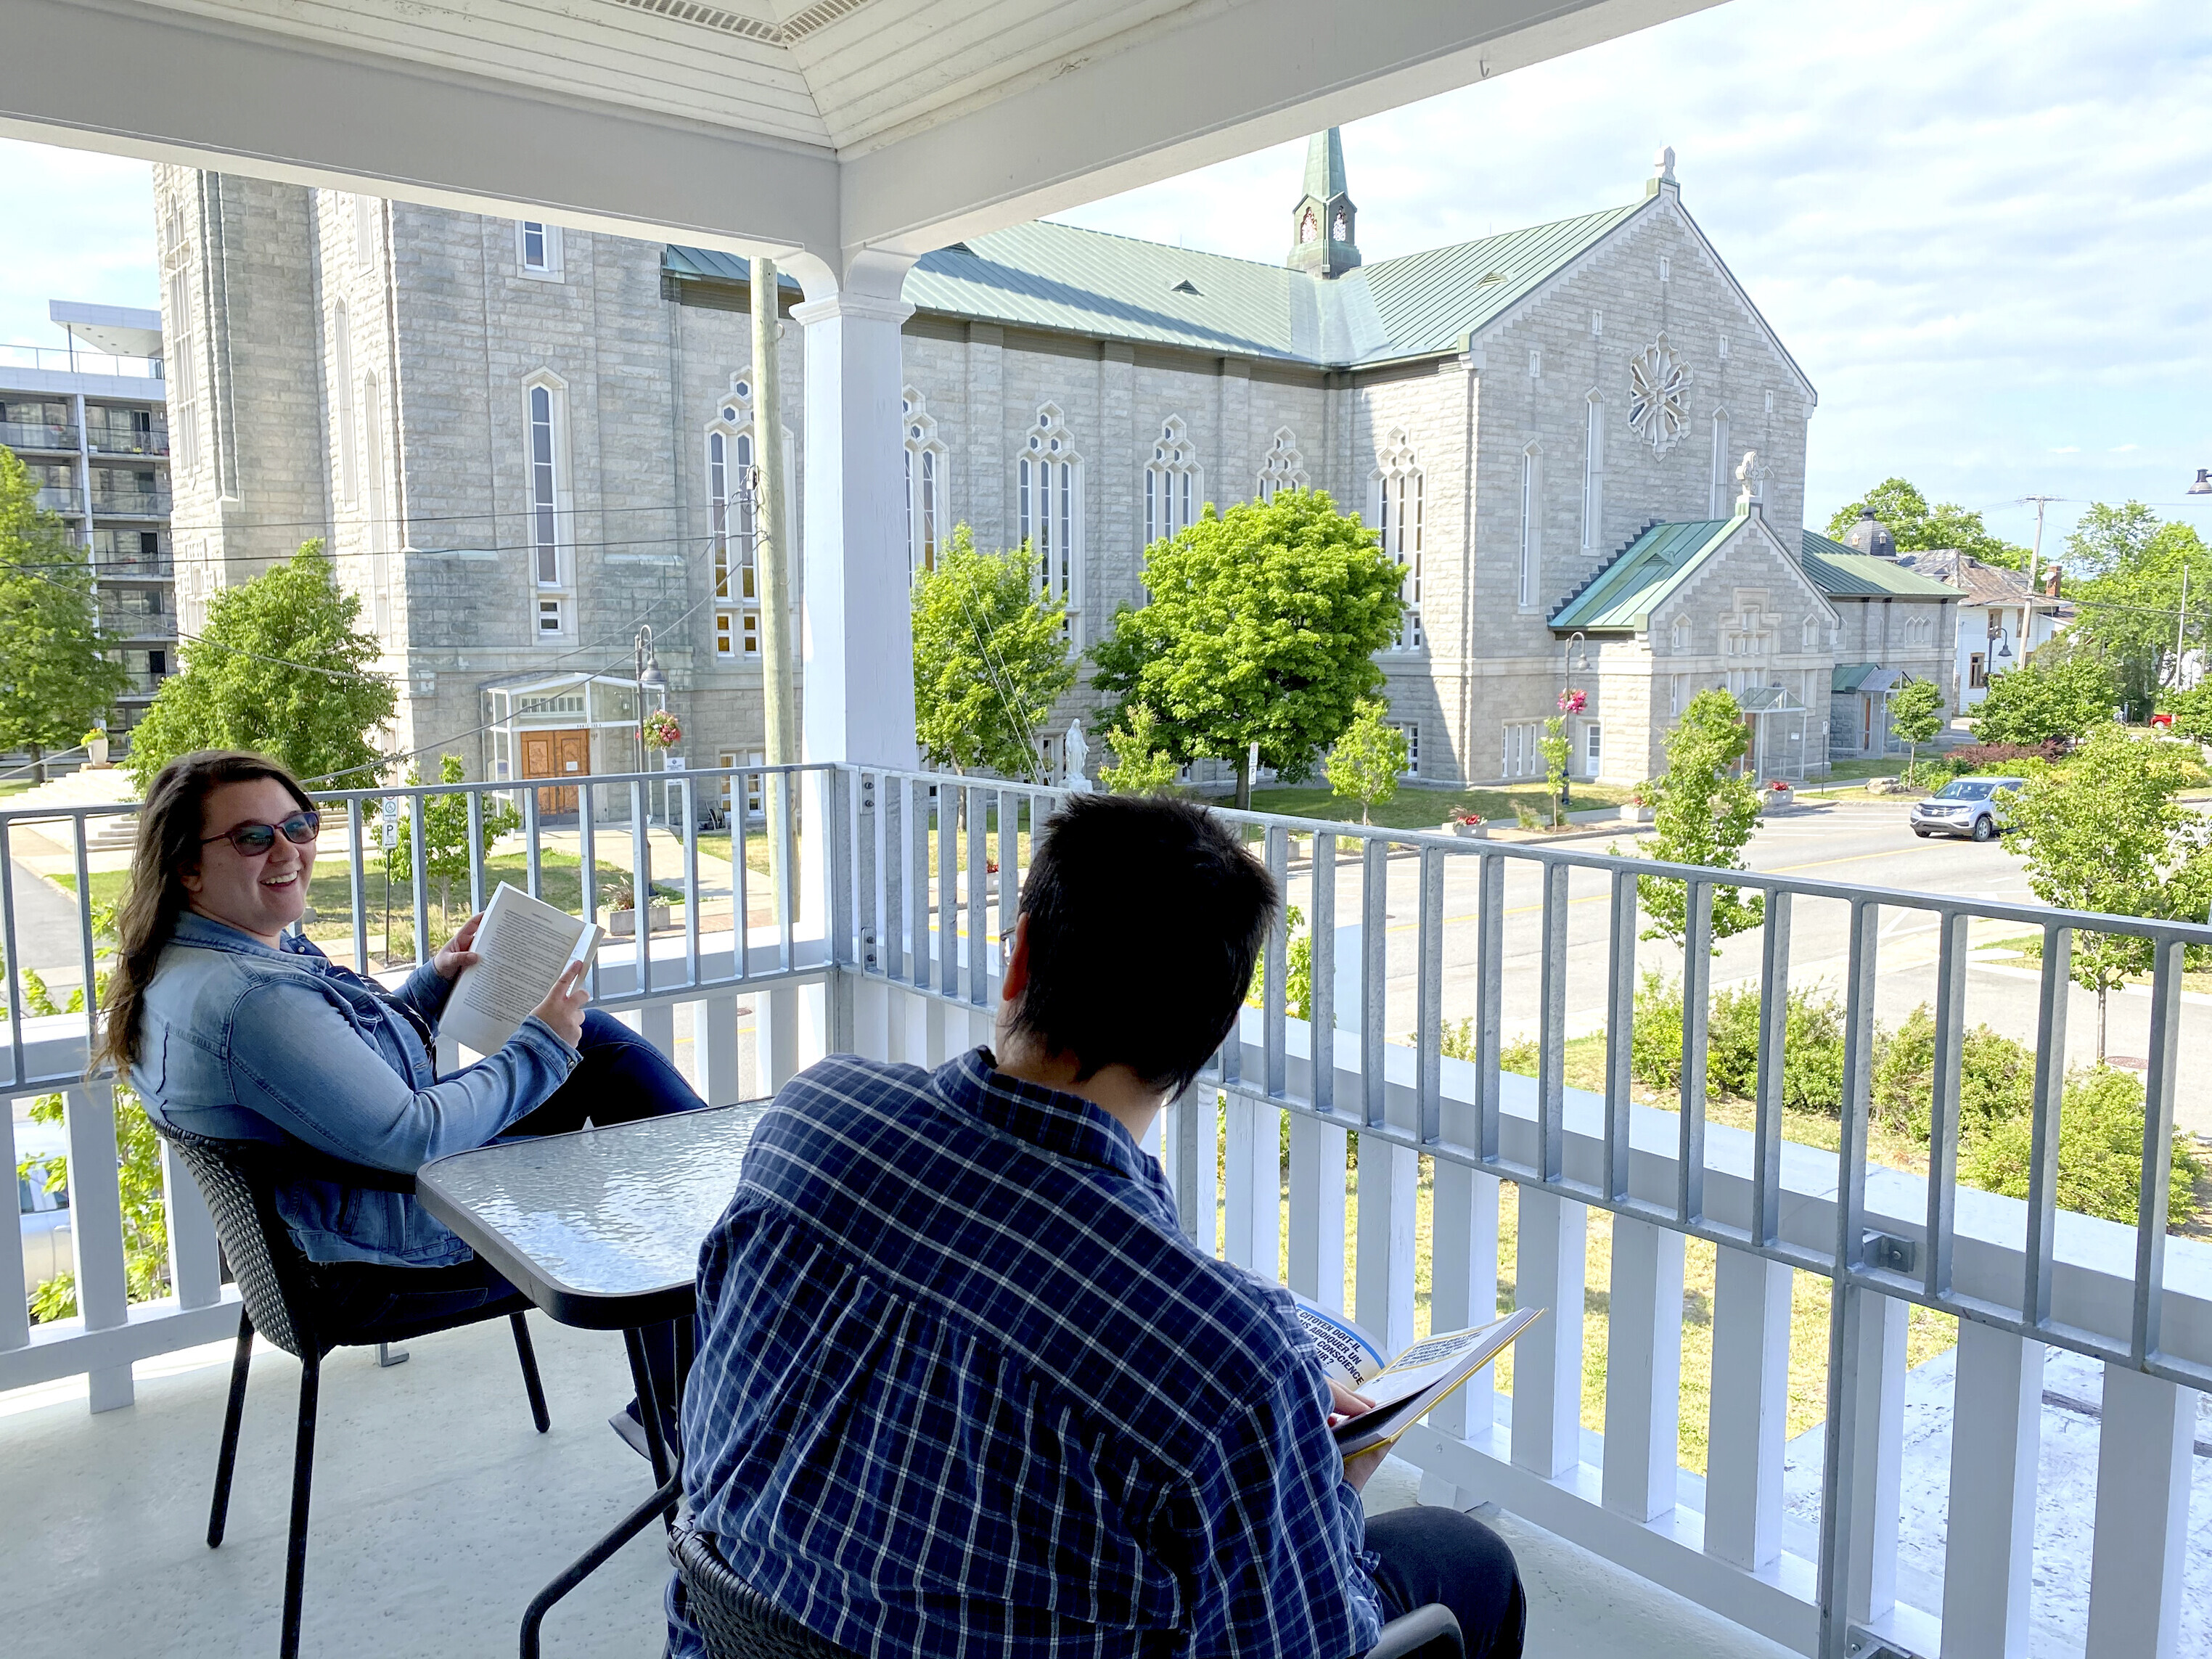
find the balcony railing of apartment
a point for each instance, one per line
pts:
(140, 683)
(882, 936)
(148, 503)
(123, 439)
(66, 359)
(133, 567)
(37, 434)
(59, 499)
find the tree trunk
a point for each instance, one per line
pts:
(2101, 995)
(39, 760)
(1243, 780)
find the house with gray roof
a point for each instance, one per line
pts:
(522, 442)
(1894, 624)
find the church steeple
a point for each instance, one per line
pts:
(1321, 240)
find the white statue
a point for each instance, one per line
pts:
(1078, 755)
(1749, 474)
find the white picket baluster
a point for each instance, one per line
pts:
(15, 1313)
(1383, 1290)
(1996, 1433)
(1748, 1426)
(1877, 1467)
(96, 1229)
(1547, 1356)
(1463, 1291)
(1643, 1370)
(715, 1048)
(775, 1038)
(1316, 1218)
(1253, 1194)
(657, 1023)
(195, 1258)
(2145, 1444)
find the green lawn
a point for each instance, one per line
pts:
(14, 786)
(330, 894)
(1424, 809)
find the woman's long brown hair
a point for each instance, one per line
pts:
(169, 831)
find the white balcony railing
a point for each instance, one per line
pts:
(882, 939)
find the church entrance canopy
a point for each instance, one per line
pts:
(560, 725)
(1779, 733)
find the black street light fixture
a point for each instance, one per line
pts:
(2204, 484)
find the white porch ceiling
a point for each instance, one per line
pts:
(836, 126)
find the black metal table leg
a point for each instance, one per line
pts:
(648, 1403)
(595, 1557)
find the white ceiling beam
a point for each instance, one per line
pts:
(1197, 87)
(142, 81)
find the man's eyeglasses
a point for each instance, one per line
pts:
(252, 840)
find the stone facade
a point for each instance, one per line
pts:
(432, 390)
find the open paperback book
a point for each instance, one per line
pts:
(526, 944)
(1404, 1389)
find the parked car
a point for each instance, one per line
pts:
(45, 1216)
(1966, 806)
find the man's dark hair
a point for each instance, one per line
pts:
(1145, 916)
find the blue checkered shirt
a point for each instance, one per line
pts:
(965, 1388)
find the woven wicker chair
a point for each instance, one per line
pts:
(740, 1623)
(282, 1298)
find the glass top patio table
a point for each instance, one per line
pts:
(600, 1227)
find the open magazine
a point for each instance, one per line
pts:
(1404, 1388)
(526, 944)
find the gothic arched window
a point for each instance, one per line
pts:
(1531, 525)
(1282, 467)
(925, 486)
(731, 486)
(1048, 490)
(1593, 473)
(1395, 489)
(1721, 503)
(1175, 484)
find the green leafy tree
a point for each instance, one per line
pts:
(1262, 627)
(990, 659)
(1365, 763)
(2064, 691)
(1920, 528)
(2105, 833)
(54, 681)
(280, 668)
(2107, 538)
(2133, 612)
(445, 836)
(1916, 713)
(1703, 813)
(1140, 766)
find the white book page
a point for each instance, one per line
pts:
(1428, 1361)
(526, 944)
(1348, 1354)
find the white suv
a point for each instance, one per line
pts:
(1964, 806)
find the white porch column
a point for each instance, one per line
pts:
(855, 638)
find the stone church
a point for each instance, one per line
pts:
(1581, 443)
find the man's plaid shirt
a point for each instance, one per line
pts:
(965, 1388)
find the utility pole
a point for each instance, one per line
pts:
(2180, 624)
(772, 564)
(2035, 557)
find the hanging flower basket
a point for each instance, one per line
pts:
(661, 731)
(1572, 701)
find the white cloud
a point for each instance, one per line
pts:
(1981, 227)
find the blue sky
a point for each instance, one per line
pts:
(1984, 228)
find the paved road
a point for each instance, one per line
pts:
(1859, 845)
(47, 936)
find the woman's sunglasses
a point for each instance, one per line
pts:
(252, 840)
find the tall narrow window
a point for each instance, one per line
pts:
(1175, 484)
(1532, 524)
(1722, 504)
(1395, 486)
(730, 506)
(1282, 467)
(925, 487)
(1594, 475)
(533, 246)
(1049, 497)
(1413, 733)
(537, 249)
(544, 505)
(342, 376)
(368, 216)
(379, 527)
(182, 365)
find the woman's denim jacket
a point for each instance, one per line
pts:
(243, 1043)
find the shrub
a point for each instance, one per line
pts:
(1813, 1044)
(1524, 1056)
(2099, 1152)
(1655, 1041)
(1969, 758)
(1997, 1077)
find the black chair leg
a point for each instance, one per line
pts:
(227, 1459)
(528, 1355)
(303, 1468)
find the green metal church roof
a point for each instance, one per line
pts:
(1839, 572)
(1628, 587)
(1069, 280)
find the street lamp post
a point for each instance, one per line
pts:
(650, 681)
(1576, 645)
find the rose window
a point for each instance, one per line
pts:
(1658, 396)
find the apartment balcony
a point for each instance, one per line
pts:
(59, 499)
(128, 440)
(131, 503)
(1685, 1461)
(38, 437)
